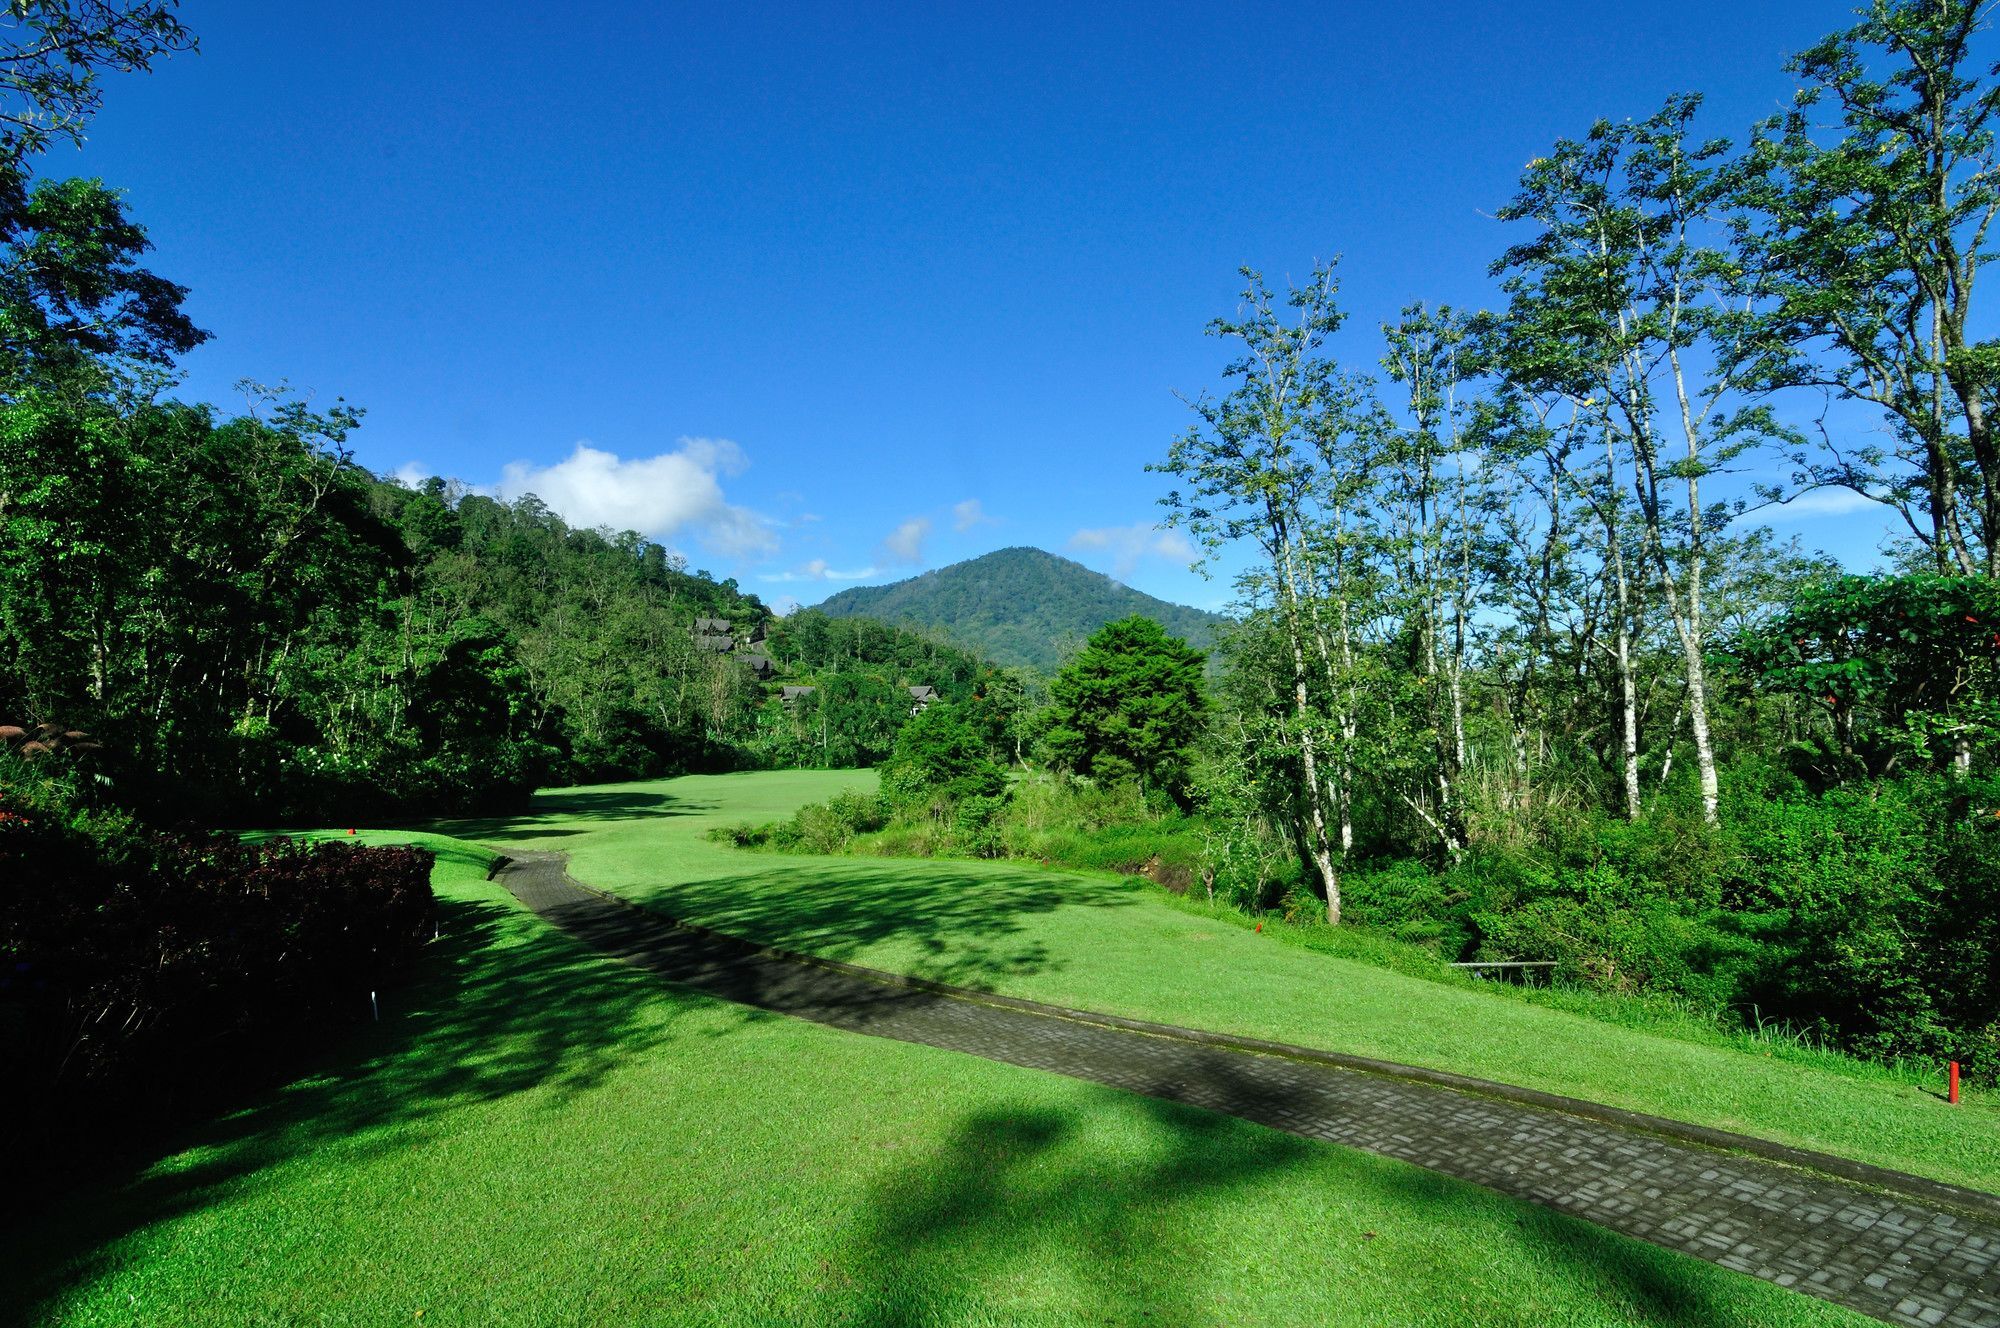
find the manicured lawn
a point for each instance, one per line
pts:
(1117, 945)
(536, 1135)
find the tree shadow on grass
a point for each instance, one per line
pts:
(1130, 1210)
(963, 923)
(1014, 1196)
(502, 1005)
(589, 805)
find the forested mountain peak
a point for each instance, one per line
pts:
(1018, 606)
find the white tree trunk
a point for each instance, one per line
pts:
(1690, 623)
(1629, 715)
(1319, 844)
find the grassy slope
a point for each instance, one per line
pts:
(1117, 945)
(535, 1135)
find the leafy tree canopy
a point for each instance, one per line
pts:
(72, 290)
(52, 51)
(940, 759)
(1904, 666)
(1130, 703)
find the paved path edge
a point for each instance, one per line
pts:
(1977, 1203)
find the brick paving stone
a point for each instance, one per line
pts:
(1886, 1255)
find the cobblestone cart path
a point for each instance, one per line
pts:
(1899, 1258)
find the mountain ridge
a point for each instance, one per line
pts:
(1019, 605)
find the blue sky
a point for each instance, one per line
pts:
(817, 294)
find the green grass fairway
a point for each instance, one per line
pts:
(538, 1136)
(1117, 945)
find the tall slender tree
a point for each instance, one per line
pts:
(1438, 510)
(1870, 205)
(1254, 469)
(1622, 298)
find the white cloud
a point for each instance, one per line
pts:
(970, 513)
(1821, 502)
(659, 495)
(1128, 545)
(905, 544)
(818, 570)
(411, 473)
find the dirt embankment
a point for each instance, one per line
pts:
(1174, 876)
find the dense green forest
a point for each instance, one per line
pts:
(285, 635)
(252, 626)
(1020, 607)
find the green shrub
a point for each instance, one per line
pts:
(1883, 902)
(974, 825)
(860, 812)
(1409, 901)
(939, 760)
(815, 828)
(1866, 917)
(744, 834)
(821, 827)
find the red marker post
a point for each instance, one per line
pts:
(1952, 1096)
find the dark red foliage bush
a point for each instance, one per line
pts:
(131, 957)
